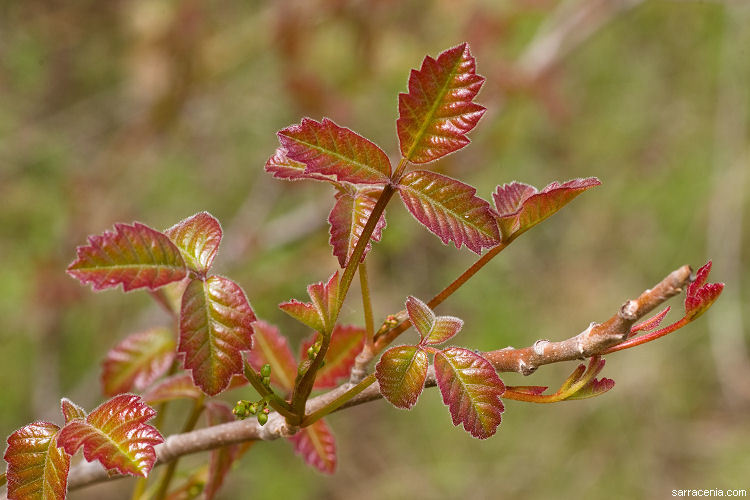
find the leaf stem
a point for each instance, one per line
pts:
(3, 478)
(274, 400)
(168, 474)
(366, 303)
(336, 403)
(304, 385)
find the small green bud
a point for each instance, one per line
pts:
(262, 418)
(310, 353)
(266, 381)
(242, 409)
(266, 370)
(252, 408)
(266, 410)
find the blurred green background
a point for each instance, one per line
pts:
(152, 110)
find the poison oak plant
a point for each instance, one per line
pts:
(219, 343)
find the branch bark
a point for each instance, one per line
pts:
(592, 341)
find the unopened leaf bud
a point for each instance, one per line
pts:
(266, 370)
(262, 418)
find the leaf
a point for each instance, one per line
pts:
(432, 329)
(198, 239)
(137, 361)
(135, 256)
(320, 313)
(175, 387)
(701, 295)
(273, 348)
(449, 209)
(346, 344)
(37, 468)
(471, 389)
(650, 323)
(325, 148)
(401, 373)
(222, 458)
(115, 434)
(534, 390)
(70, 410)
(520, 206)
(348, 218)
(281, 167)
(317, 447)
(595, 387)
(438, 111)
(215, 327)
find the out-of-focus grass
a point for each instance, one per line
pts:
(154, 110)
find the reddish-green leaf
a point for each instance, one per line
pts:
(116, 434)
(37, 468)
(348, 218)
(221, 461)
(175, 387)
(401, 373)
(449, 209)
(346, 343)
(471, 389)
(325, 148)
(650, 323)
(317, 447)
(595, 387)
(701, 295)
(135, 256)
(282, 167)
(198, 239)
(323, 308)
(438, 111)
(273, 348)
(137, 361)
(215, 327)
(520, 206)
(70, 410)
(432, 329)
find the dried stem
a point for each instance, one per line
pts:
(593, 341)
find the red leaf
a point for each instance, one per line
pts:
(137, 361)
(198, 239)
(471, 389)
(325, 148)
(520, 206)
(221, 461)
(37, 468)
(281, 167)
(215, 327)
(175, 387)
(650, 323)
(438, 111)
(346, 344)
(449, 209)
(701, 295)
(70, 410)
(318, 314)
(401, 373)
(317, 447)
(348, 218)
(135, 256)
(432, 329)
(115, 434)
(273, 348)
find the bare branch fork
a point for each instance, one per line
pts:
(595, 340)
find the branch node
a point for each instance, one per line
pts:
(524, 368)
(539, 346)
(629, 310)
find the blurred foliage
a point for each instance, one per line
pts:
(153, 110)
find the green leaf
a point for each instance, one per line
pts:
(348, 218)
(135, 256)
(449, 209)
(327, 149)
(401, 373)
(137, 361)
(320, 313)
(273, 348)
(37, 468)
(317, 447)
(471, 389)
(215, 327)
(432, 329)
(198, 239)
(438, 111)
(115, 434)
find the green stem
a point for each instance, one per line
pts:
(366, 303)
(274, 400)
(168, 474)
(3, 478)
(305, 383)
(336, 403)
